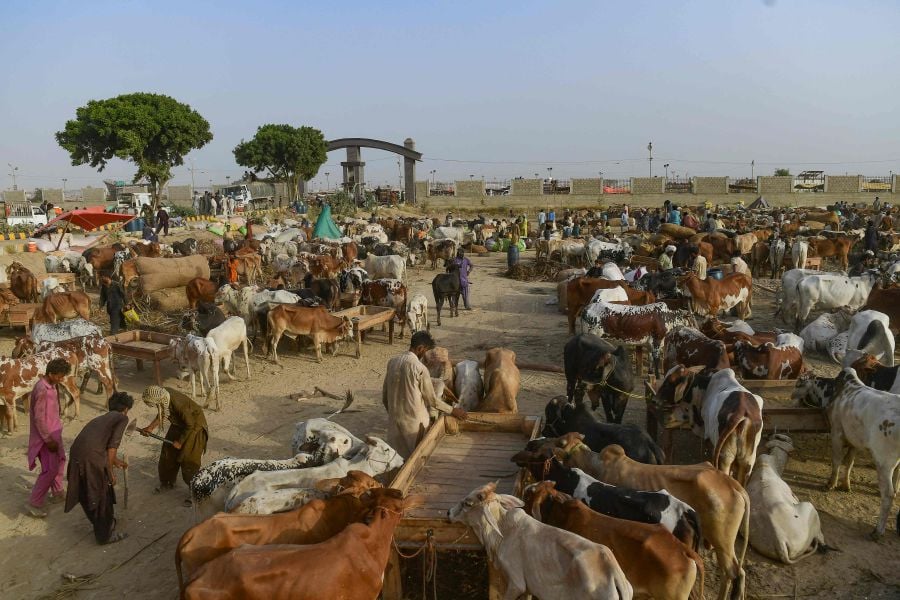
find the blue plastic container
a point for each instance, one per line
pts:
(512, 256)
(715, 273)
(135, 225)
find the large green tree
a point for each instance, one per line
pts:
(153, 131)
(290, 154)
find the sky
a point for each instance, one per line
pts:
(494, 89)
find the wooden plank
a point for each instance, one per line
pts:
(419, 456)
(799, 419)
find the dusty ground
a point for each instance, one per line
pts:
(257, 421)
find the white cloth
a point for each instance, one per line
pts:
(407, 393)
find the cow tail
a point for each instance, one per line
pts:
(724, 436)
(745, 525)
(694, 520)
(697, 590)
(658, 454)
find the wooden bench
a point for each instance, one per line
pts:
(366, 317)
(143, 345)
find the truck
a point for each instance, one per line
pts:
(24, 213)
(244, 198)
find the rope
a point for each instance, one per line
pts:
(614, 388)
(429, 562)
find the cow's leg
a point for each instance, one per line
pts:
(245, 343)
(229, 370)
(849, 459)
(837, 454)
(438, 303)
(885, 467)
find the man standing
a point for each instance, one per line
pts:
(113, 297)
(188, 433)
(92, 468)
(542, 218)
(195, 202)
(407, 394)
(699, 262)
(870, 238)
(162, 221)
(465, 267)
(45, 439)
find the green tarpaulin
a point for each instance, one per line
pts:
(325, 227)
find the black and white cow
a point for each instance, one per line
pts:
(605, 370)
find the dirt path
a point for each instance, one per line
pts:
(257, 421)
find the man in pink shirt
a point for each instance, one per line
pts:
(45, 439)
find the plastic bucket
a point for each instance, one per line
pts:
(512, 256)
(32, 246)
(135, 225)
(714, 273)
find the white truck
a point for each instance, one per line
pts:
(243, 198)
(24, 213)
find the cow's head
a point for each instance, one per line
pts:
(23, 347)
(483, 501)
(540, 497)
(813, 391)
(557, 411)
(354, 483)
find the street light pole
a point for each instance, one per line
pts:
(13, 173)
(64, 188)
(192, 169)
(650, 160)
(666, 167)
(752, 169)
(327, 181)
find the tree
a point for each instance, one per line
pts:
(289, 154)
(153, 131)
(782, 172)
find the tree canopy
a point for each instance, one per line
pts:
(153, 131)
(782, 172)
(291, 154)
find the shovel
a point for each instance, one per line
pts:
(160, 438)
(129, 432)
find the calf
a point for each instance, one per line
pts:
(687, 346)
(563, 565)
(350, 564)
(864, 418)
(200, 289)
(194, 356)
(316, 323)
(18, 376)
(712, 296)
(602, 369)
(447, 286)
(561, 417)
(781, 527)
(781, 360)
(654, 562)
(501, 382)
(224, 340)
(391, 293)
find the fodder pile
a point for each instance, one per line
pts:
(537, 270)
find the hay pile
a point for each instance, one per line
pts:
(538, 270)
(166, 273)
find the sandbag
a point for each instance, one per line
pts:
(163, 273)
(658, 239)
(677, 231)
(168, 300)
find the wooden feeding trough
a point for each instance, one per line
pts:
(143, 345)
(366, 317)
(19, 315)
(454, 458)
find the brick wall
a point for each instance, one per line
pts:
(843, 184)
(179, 193)
(710, 185)
(469, 188)
(92, 195)
(648, 185)
(422, 189)
(775, 185)
(587, 186)
(527, 187)
(53, 196)
(14, 196)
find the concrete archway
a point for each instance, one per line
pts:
(354, 167)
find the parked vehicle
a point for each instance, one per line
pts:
(24, 213)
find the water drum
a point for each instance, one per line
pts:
(714, 273)
(32, 246)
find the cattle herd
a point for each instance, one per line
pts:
(605, 512)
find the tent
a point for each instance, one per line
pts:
(759, 203)
(325, 227)
(86, 218)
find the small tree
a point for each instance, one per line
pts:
(153, 131)
(289, 154)
(782, 172)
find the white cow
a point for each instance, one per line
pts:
(784, 340)
(469, 387)
(417, 313)
(194, 356)
(818, 335)
(863, 418)
(831, 292)
(616, 294)
(571, 251)
(386, 267)
(51, 285)
(799, 250)
(781, 527)
(777, 249)
(870, 333)
(721, 385)
(374, 458)
(612, 272)
(226, 338)
(789, 298)
(323, 438)
(449, 233)
(619, 252)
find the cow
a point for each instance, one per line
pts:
(663, 284)
(22, 282)
(562, 417)
(350, 564)
(837, 247)
(635, 324)
(417, 314)
(777, 249)
(386, 267)
(200, 289)
(63, 305)
(789, 300)
(689, 347)
(194, 356)
(18, 376)
(248, 266)
(222, 341)
(324, 439)
(437, 361)
(207, 317)
(654, 562)
(563, 565)
(759, 257)
(325, 267)
(712, 296)
(92, 353)
(721, 504)
(604, 370)
(580, 292)
(329, 290)
(887, 301)
(831, 292)
(780, 360)
(869, 333)
(616, 294)
(781, 527)
(391, 293)
(799, 252)
(316, 323)
(467, 384)
(501, 382)
(595, 249)
(817, 336)
(447, 287)
(145, 249)
(863, 418)
(186, 247)
(101, 259)
(440, 250)
(876, 375)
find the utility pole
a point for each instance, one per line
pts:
(64, 188)
(666, 167)
(650, 160)
(192, 169)
(399, 176)
(753, 169)
(327, 181)
(13, 174)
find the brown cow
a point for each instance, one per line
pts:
(102, 259)
(325, 266)
(654, 561)
(837, 247)
(440, 250)
(689, 347)
(759, 258)
(887, 301)
(768, 361)
(722, 245)
(22, 282)
(92, 353)
(151, 250)
(311, 523)
(501, 382)
(200, 289)
(349, 251)
(580, 290)
(249, 266)
(63, 305)
(391, 293)
(349, 565)
(709, 296)
(315, 322)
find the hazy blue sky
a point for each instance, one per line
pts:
(519, 86)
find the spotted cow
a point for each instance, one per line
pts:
(387, 292)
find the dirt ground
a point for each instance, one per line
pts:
(258, 419)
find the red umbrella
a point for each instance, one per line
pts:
(85, 218)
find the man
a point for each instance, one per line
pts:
(699, 262)
(551, 218)
(407, 394)
(739, 264)
(92, 468)
(711, 223)
(162, 221)
(465, 267)
(542, 218)
(195, 202)
(624, 220)
(147, 233)
(690, 220)
(188, 433)
(45, 439)
(147, 214)
(665, 259)
(113, 297)
(675, 216)
(871, 236)
(868, 261)
(596, 270)
(655, 222)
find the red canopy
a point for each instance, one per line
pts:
(87, 219)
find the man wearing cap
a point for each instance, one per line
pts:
(408, 396)
(188, 434)
(665, 259)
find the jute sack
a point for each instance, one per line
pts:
(163, 273)
(676, 231)
(169, 300)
